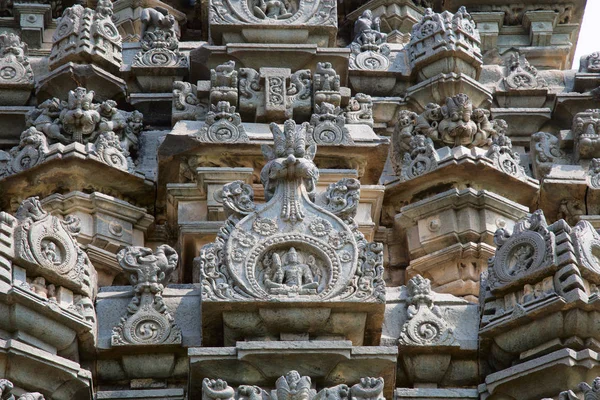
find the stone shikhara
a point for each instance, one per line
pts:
(298, 200)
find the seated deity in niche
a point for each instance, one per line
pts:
(272, 9)
(289, 276)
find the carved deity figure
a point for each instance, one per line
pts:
(293, 386)
(273, 9)
(457, 127)
(366, 24)
(157, 19)
(291, 275)
(80, 117)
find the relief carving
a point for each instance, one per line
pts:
(273, 12)
(186, 105)
(368, 50)
(15, 69)
(328, 126)
(546, 152)
(520, 75)
(159, 41)
(586, 134)
(148, 321)
(360, 110)
(223, 125)
(529, 249)
(6, 388)
(443, 36)
(111, 134)
(426, 325)
(290, 248)
(30, 151)
(293, 386)
(82, 33)
(46, 246)
(224, 84)
(590, 63)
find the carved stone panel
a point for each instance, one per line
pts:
(45, 245)
(148, 321)
(290, 249)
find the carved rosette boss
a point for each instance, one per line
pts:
(148, 321)
(290, 249)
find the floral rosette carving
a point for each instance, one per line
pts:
(289, 248)
(148, 321)
(426, 325)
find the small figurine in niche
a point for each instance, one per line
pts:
(291, 275)
(273, 9)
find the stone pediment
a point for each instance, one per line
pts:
(289, 250)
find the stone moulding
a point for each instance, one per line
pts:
(293, 386)
(443, 43)
(84, 35)
(148, 321)
(538, 272)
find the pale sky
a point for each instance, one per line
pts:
(589, 37)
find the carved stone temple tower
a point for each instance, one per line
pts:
(298, 200)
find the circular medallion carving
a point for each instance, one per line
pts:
(519, 256)
(53, 249)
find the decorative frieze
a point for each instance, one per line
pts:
(294, 386)
(148, 321)
(240, 21)
(111, 135)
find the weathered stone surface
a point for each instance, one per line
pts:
(173, 145)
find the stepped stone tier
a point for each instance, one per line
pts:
(298, 200)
